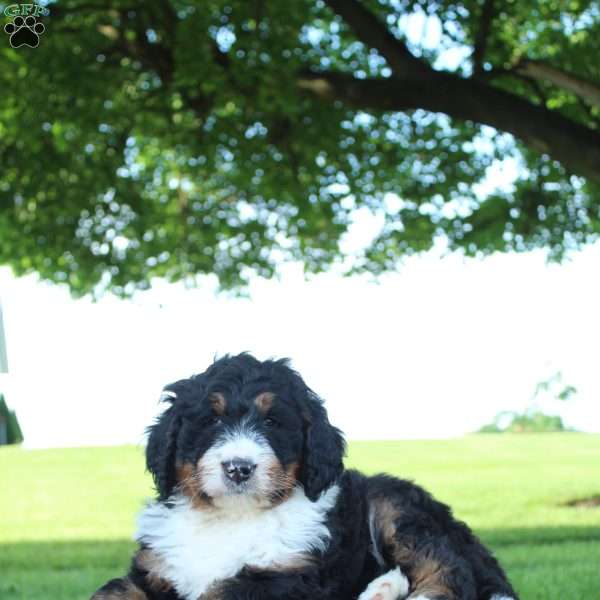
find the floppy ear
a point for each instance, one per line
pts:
(324, 449)
(160, 451)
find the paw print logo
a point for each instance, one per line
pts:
(24, 31)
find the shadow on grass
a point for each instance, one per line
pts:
(539, 535)
(60, 570)
(549, 563)
(542, 562)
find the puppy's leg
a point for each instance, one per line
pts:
(407, 537)
(257, 584)
(389, 586)
(143, 582)
(492, 581)
(437, 574)
(120, 589)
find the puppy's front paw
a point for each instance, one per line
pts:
(392, 585)
(119, 589)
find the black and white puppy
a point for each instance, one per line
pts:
(254, 504)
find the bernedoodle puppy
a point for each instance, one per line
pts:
(254, 503)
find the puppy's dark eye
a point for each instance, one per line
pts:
(215, 420)
(270, 422)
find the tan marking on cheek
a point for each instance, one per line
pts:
(186, 478)
(189, 482)
(264, 402)
(149, 561)
(217, 402)
(281, 481)
(292, 471)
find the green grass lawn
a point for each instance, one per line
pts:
(67, 516)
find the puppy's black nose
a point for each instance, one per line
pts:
(238, 469)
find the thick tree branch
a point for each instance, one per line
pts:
(485, 24)
(575, 146)
(373, 33)
(416, 85)
(538, 70)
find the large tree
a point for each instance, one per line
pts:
(166, 138)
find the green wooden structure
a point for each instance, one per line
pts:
(10, 430)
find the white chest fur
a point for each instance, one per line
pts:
(198, 546)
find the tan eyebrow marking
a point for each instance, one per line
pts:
(264, 401)
(218, 402)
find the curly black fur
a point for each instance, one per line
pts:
(377, 523)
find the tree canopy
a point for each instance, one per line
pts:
(160, 138)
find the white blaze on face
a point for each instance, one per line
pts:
(245, 444)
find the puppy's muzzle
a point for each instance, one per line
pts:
(238, 470)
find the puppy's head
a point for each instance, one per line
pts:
(243, 429)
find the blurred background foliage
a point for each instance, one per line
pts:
(537, 416)
(161, 138)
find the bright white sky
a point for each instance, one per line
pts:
(436, 350)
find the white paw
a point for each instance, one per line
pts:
(500, 597)
(389, 586)
(419, 597)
